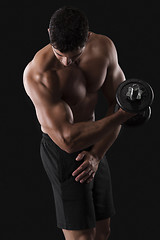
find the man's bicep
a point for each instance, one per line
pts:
(112, 81)
(54, 115)
(109, 89)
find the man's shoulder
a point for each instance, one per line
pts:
(37, 72)
(40, 64)
(102, 44)
(43, 58)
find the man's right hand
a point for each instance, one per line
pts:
(127, 115)
(87, 170)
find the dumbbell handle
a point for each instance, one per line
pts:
(134, 92)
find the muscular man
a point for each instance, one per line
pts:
(63, 81)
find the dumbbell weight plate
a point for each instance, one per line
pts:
(136, 105)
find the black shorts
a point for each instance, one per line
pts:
(78, 206)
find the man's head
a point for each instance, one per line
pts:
(68, 29)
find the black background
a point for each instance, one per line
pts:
(27, 203)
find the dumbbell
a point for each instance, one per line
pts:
(135, 96)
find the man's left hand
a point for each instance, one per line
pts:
(87, 170)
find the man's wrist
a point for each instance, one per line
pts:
(126, 115)
(96, 155)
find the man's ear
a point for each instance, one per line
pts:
(89, 33)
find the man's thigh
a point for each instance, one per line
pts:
(102, 192)
(73, 200)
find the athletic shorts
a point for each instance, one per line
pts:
(78, 205)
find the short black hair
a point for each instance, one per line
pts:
(68, 29)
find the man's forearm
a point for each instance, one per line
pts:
(102, 146)
(85, 134)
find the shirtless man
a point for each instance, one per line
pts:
(63, 81)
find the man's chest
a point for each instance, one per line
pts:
(80, 83)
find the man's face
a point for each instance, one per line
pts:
(68, 58)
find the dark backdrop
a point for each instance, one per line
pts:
(27, 203)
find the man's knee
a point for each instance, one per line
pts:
(103, 229)
(108, 232)
(103, 235)
(88, 234)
